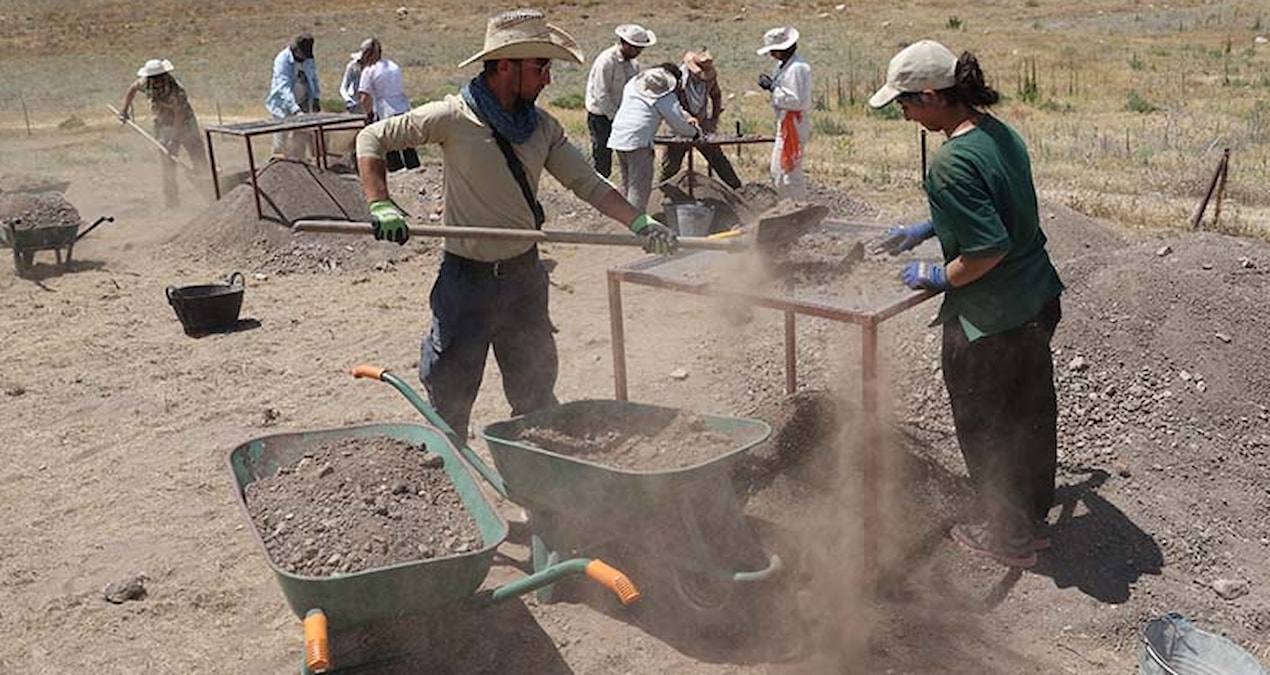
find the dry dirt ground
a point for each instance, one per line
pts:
(117, 425)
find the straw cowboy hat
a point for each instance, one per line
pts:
(525, 34)
(635, 34)
(366, 44)
(778, 38)
(155, 67)
(654, 83)
(701, 64)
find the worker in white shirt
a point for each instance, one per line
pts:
(610, 72)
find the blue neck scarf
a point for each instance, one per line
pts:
(514, 125)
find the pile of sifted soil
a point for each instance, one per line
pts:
(634, 442)
(358, 504)
(230, 232)
(29, 211)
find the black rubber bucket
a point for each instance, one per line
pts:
(208, 308)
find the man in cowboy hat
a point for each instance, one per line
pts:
(790, 85)
(495, 144)
(353, 77)
(175, 125)
(702, 98)
(293, 89)
(613, 68)
(647, 99)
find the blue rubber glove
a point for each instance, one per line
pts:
(900, 239)
(925, 276)
(765, 81)
(658, 238)
(389, 222)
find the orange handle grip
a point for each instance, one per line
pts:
(317, 645)
(613, 579)
(367, 370)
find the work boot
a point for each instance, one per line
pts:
(979, 539)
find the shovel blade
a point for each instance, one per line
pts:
(775, 230)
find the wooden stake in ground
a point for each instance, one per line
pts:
(1218, 176)
(26, 116)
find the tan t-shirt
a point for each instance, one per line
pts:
(479, 188)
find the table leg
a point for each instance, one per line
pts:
(618, 336)
(251, 169)
(211, 161)
(692, 176)
(870, 458)
(791, 354)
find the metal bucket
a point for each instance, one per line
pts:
(208, 307)
(1171, 645)
(692, 219)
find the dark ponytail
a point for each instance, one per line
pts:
(971, 88)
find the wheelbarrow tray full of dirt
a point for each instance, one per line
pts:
(405, 589)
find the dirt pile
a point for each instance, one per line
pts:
(634, 442)
(358, 504)
(229, 231)
(28, 211)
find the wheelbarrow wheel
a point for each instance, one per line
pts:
(687, 602)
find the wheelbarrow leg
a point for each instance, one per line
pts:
(543, 557)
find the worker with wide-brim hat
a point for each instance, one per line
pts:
(702, 98)
(648, 100)
(611, 70)
(790, 87)
(495, 145)
(175, 125)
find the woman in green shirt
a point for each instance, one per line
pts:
(1001, 294)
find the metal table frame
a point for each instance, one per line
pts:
(319, 122)
(644, 272)
(717, 140)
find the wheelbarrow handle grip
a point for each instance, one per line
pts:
(368, 371)
(317, 644)
(613, 579)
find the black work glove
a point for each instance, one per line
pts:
(765, 82)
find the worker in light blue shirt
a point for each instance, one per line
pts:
(647, 99)
(294, 89)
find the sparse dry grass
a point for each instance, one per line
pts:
(1127, 112)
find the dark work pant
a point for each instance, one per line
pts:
(475, 307)
(674, 157)
(600, 128)
(402, 159)
(1004, 408)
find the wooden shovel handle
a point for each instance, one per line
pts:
(557, 236)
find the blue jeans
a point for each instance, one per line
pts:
(475, 306)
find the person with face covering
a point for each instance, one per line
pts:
(293, 89)
(175, 125)
(495, 145)
(790, 86)
(1001, 297)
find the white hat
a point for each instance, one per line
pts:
(525, 34)
(778, 38)
(654, 83)
(366, 44)
(635, 34)
(920, 66)
(155, 67)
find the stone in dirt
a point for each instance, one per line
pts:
(360, 503)
(640, 441)
(119, 592)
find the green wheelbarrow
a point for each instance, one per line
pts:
(680, 533)
(389, 592)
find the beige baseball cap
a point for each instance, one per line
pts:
(920, 66)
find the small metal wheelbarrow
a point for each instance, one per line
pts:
(405, 589)
(680, 533)
(26, 241)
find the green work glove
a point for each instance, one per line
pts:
(658, 238)
(389, 222)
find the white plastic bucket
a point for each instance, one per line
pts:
(693, 219)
